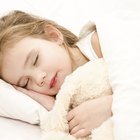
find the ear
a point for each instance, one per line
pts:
(54, 34)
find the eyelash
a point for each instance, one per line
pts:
(36, 59)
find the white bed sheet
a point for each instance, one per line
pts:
(18, 130)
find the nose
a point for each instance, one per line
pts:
(40, 78)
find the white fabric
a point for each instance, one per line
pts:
(86, 47)
(14, 104)
(17, 130)
(119, 36)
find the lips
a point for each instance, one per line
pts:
(53, 81)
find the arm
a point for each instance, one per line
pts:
(44, 100)
(81, 123)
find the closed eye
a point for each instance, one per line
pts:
(36, 59)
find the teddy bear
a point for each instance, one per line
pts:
(87, 82)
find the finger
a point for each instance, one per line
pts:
(19, 88)
(23, 90)
(72, 124)
(14, 86)
(75, 129)
(70, 116)
(81, 133)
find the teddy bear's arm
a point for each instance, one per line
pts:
(57, 118)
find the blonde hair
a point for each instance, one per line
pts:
(17, 25)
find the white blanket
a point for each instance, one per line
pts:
(119, 35)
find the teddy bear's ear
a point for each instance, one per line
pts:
(86, 29)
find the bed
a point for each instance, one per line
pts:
(114, 20)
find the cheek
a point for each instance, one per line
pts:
(11, 75)
(44, 89)
(38, 89)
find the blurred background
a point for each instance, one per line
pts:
(72, 14)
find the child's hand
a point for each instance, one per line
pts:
(44, 100)
(89, 115)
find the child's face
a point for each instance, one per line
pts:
(38, 64)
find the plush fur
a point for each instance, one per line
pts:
(88, 82)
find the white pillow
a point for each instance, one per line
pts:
(16, 105)
(119, 36)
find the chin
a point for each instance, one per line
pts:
(56, 91)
